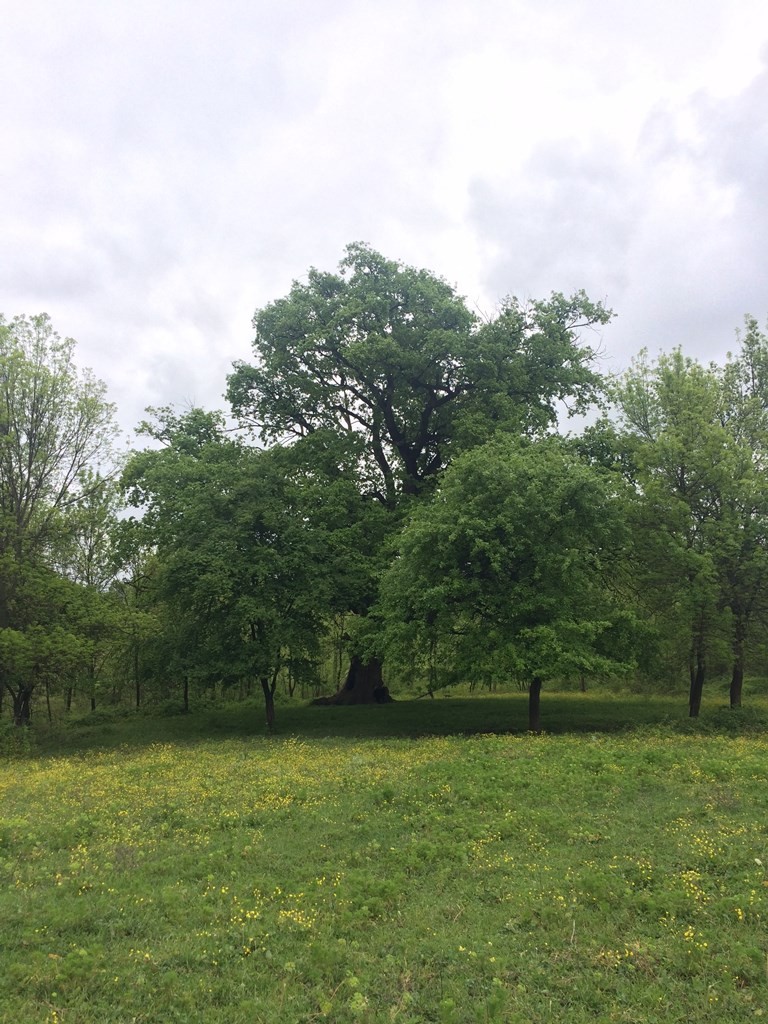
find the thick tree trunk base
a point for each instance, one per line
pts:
(363, 685)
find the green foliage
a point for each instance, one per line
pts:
(255, 549)
(697, 449)
(508, 571)
(412, 504)
(392, 356)
(54, 425)
(384, 368)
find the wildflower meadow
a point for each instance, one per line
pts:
(239, 877)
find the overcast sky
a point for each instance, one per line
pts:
(169, 167)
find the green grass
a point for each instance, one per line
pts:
(367, 865)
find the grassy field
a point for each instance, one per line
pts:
(372, 865)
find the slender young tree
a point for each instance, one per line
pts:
(89, 556)
(55, 422)
(700, 509)
(743, 542)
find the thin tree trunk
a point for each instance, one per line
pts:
(737, 676)
(48, 701)
(269, 701)
(697, 685)
(737, 681)
(534, 705)
(186, 694)
(136, 680)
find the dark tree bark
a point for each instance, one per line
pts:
(136, 677)
(697, 685)
(534, 705)
(737, 680)
(363, 685)
(269, 701)
(737, 677)
(22, 700)
(186, 694)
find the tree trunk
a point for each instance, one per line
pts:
(363, 685)
(697, 686)
(737, 677)
(534, 705)
(269, 701)
(186, 694)
(22, 700)
(136, 679)
(291, 680)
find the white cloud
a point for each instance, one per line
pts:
(167, 168)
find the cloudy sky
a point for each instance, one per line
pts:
(168, 167)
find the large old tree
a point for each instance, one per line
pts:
(392, 358)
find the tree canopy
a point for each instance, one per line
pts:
(393, 356)
(254, 547)
(510, 568)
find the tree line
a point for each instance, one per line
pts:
(397, 506)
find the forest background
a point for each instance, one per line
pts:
(394, 505)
